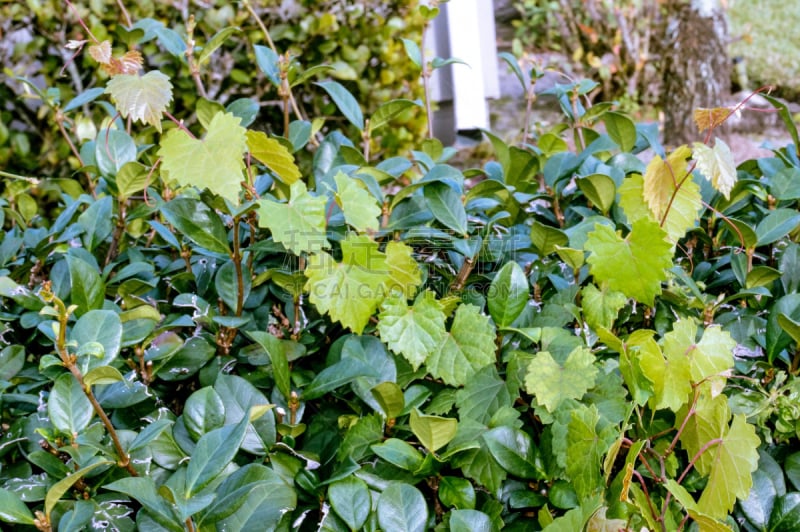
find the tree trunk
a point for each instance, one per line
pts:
(697, 69)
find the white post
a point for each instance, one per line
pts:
(466, 39)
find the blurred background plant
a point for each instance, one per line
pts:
(617, 42)
(360, 41)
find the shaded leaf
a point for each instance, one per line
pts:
(552, 383)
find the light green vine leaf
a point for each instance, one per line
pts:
(413, 331)
(349, 291)
(586, 449)
(710, 358)
(732, 462)
(360, 208)
(709, 421)
(468, 347)
(214, 162)
(635, 266)
(405, 274)
(670, 374)
(273, 155)
(600, 307)
(142, 98)
(299, 224)
(705, 522)
(717, 165)
(553, 383)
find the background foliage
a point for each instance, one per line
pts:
(222, 324)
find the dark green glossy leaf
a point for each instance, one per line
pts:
(785, 516)
(776, 225)
(446, 205)
(198, 223)
(345, 101)
(203, 412)
(68, 407)
(399, 453)
(469, 521)
(103, 327)
(515, 451)
(113, 148)
(508, 294)
(457, 492)
(351, 500)
(13, 510)
(402, 508)
(88, 290)
(213, 453)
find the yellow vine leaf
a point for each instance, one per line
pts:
(661, 178)
(710, 118)
(143, 98)
(274, 155)
(717, 165)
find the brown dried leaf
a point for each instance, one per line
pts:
(101, 52)
(710, 118)
(130, 63)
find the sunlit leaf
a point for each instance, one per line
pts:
(214, 162)
(142, 98)
(635, 266)
(351, 290)
(273, 155)
(413, 331)
(732, 462)
(662, 177)
(360, 208)
(298, 224)
(717, 165)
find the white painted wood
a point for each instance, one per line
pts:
(463, 20)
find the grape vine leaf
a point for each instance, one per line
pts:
(710, 357)
(717, 165)
(600, 307)
(413, 331)
(706, 118)
(553, 383)
(682, 215)
(360, 208)
(732, 463)
(405, 274)
(662, 177)
(635, 266)
(299, 224)
(670, 373)
(586, 449)
(713, 354)
(630, 363)
(351, 290)
(468, 347)
(273, 155)
(142, 98)
(705, 522)
(483, 395)
(214, 163)
(710, 420)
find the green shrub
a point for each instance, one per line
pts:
(200, 333)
